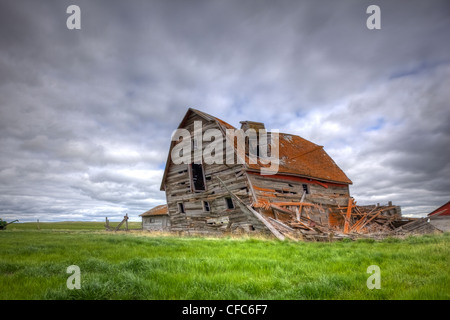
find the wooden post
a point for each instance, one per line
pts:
(366, 222)
(348, 216)
(126, 221)
(301, 206)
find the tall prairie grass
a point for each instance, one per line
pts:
(138, 265)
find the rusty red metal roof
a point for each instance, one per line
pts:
(160, 210)
(442, 210)
(298, 156)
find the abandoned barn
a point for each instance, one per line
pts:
(308, 193)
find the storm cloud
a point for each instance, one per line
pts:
(86, 115)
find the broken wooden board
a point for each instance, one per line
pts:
(218, 220)
(248, 208)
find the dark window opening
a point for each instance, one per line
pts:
(197, 177)
(305, 188)
(206, 206)
(230, 204)
(181, 207)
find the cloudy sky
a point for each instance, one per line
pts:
(86, 115)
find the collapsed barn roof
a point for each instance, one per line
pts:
(297, 156)
(301, 157)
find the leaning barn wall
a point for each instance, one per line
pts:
(220, 218)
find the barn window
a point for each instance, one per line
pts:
(229, 202)
(305, 188)
(197, 177)
(206, 206)
(181, 207)
(152, 220)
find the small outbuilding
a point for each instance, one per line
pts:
(156, 219)
(440, 218)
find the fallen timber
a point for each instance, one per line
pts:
(363, 222)
(108, 227)
(247, 208)
(299, 219)
(302, 220)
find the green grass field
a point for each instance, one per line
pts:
(138, 265)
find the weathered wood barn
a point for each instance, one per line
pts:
(156, 219)
(205, 197)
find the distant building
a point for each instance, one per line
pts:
(440, 218)
(156, 219)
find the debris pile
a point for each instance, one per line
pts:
(312, 221)
(418, 226)
(365, 219)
